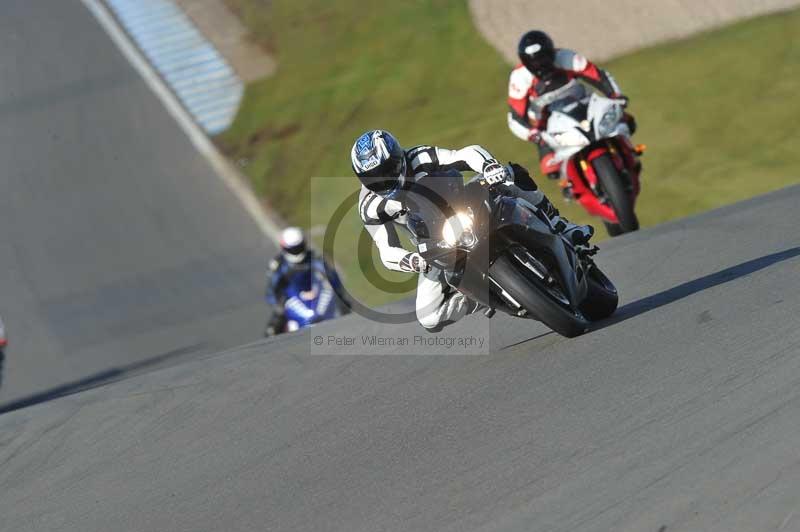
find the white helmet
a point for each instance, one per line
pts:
(293, 244)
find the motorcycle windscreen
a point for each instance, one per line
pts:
(433, 199)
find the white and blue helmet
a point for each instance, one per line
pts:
(379, 161)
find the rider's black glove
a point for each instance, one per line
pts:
(522, 178)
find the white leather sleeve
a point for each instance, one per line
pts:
(518, 129)
(473, 157)
(391, 253)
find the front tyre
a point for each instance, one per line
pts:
(616, 193)
(613, 229)
(602, 298)
(536, 298)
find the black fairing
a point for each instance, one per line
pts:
(518, 223)
(500, 222)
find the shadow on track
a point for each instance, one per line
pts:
(93, 381)
(681, 291)
(689, 288)
(515, 344)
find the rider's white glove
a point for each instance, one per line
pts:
(413, 262)
(495, 173)
(393, 208)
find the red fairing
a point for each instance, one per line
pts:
(547, 165)
(583, 193)
(591, 156)
(583, 183)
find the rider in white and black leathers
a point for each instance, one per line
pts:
(385, 169)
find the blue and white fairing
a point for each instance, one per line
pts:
(310, 299)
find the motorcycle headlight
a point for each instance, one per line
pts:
(457, 230)
(609, 121)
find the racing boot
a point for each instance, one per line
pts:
(578, 235)
(454, 307)
(460, 305)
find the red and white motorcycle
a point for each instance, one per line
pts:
(599, 165)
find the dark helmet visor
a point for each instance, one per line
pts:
(394, 167)
(295, 250)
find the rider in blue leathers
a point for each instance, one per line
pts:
(294, 257)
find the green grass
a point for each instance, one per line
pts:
(718, 111)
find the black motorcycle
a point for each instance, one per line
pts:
(495, 247)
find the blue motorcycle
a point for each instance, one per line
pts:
(310, 299)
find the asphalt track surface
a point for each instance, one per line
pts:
(118, 244)
(678, 414)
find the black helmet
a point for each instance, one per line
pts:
(379, 161)
(536, 51)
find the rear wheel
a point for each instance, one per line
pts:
(537, 299)
(602, 297)
(620, 199)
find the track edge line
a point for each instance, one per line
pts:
(224, 169)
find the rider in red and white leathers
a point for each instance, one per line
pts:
(547, 74)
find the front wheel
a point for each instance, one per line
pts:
(537, 299)
(621, 200)
(613, 229)
(602, 298)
